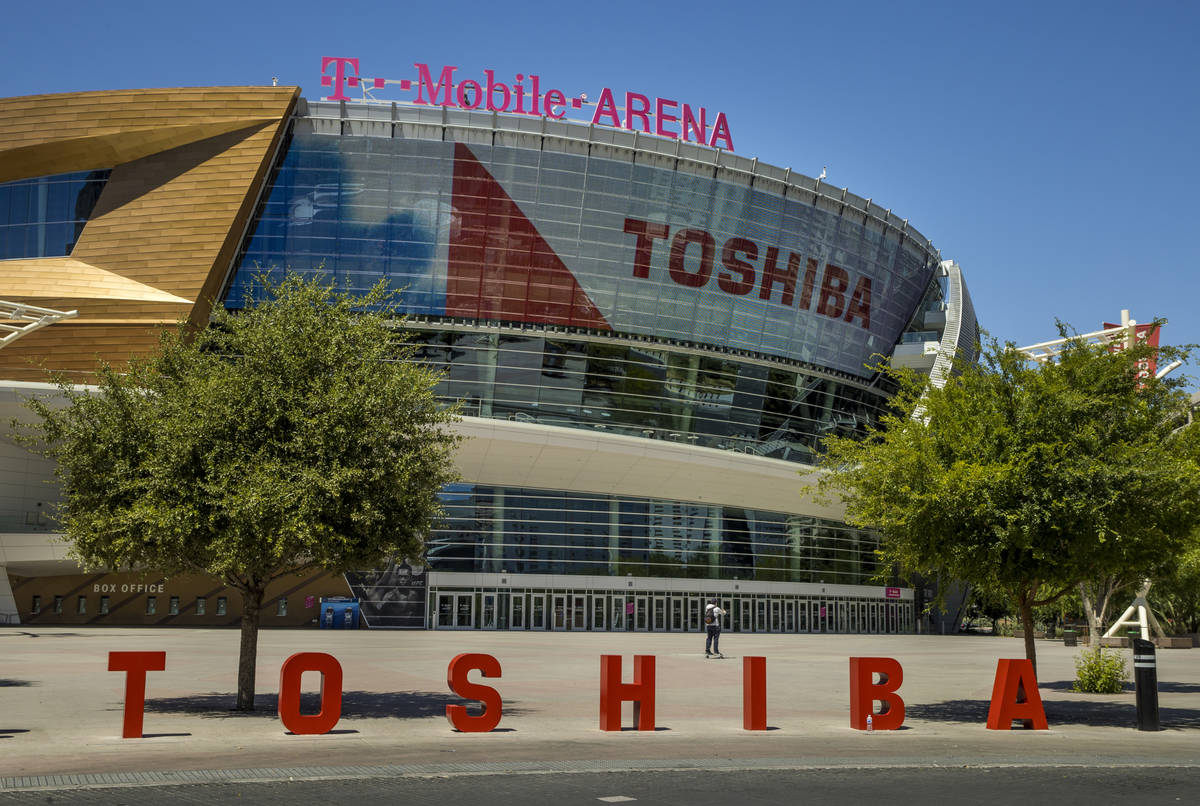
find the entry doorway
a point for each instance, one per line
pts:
(456, 611)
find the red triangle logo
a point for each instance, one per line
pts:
(499, 266)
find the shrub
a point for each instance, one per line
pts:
(1100, 671)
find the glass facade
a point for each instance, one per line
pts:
(643, 391)
(576, 234)
(519, 531)
(44, 217)
(567, 281)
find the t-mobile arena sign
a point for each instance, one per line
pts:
(525, 95)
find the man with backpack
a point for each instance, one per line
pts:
(712, 626)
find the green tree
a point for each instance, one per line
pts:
(294, 435)
(1025, 479)
(1176, 593)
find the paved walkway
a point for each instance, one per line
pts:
(61, 710)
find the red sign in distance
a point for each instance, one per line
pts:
(891, 593)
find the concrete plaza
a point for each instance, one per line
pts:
(61, 710)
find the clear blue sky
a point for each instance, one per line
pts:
(1050, 148)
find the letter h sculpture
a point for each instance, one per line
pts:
(613, 692)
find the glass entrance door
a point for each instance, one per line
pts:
(619, 610)
(639, 613)
(464, 611)
(518, 612)
(558, 612)
(489, 611)
(660, 613)
(789, 616)
(578, 612)
(598, 611)
(747, 614)
(676, 614)
(538, 611)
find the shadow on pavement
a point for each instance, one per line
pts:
(1059, 712)
(361, 704)
(8, 682)
(1068, 685)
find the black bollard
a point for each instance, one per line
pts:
(1145, 680)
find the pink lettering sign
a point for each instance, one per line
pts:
(526, 95)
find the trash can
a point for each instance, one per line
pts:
(338, 613)
(1070, 638)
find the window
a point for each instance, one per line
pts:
(103, 605)
(201, 605)
(57, 605)
(173, 606)
(221, 609)
(151, 605)
(81, 606)
(281, 607)
(44, 216)
(36, 607)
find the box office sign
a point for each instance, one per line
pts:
(529, 94)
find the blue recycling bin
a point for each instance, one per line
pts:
(338, 613)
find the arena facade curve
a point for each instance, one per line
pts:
(649, 337)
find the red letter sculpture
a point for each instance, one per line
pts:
(1015, 696)
(754, 693)
(331, 693)
(135, 665)
(864, 692)
(613, 692)
(456, 678)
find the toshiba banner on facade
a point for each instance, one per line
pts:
(593, 240)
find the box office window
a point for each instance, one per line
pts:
(281, 606)
(151, 605)
(201, 605)
(58, 605)
(173, 606)
(221, 606)
(81, 606)
(36, 606)
(103, 605)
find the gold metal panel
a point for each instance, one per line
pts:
(187, 168)
(65, 278)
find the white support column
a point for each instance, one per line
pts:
(8, 602)
(1145, 620)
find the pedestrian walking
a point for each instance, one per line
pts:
(712, 627)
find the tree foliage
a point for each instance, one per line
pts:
(1025, 479)
(294, 435)
(1176, 593)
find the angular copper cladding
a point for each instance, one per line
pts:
(187, 169)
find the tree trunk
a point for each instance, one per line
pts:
(1095, 627)
(1025, 603)
(248, 656)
